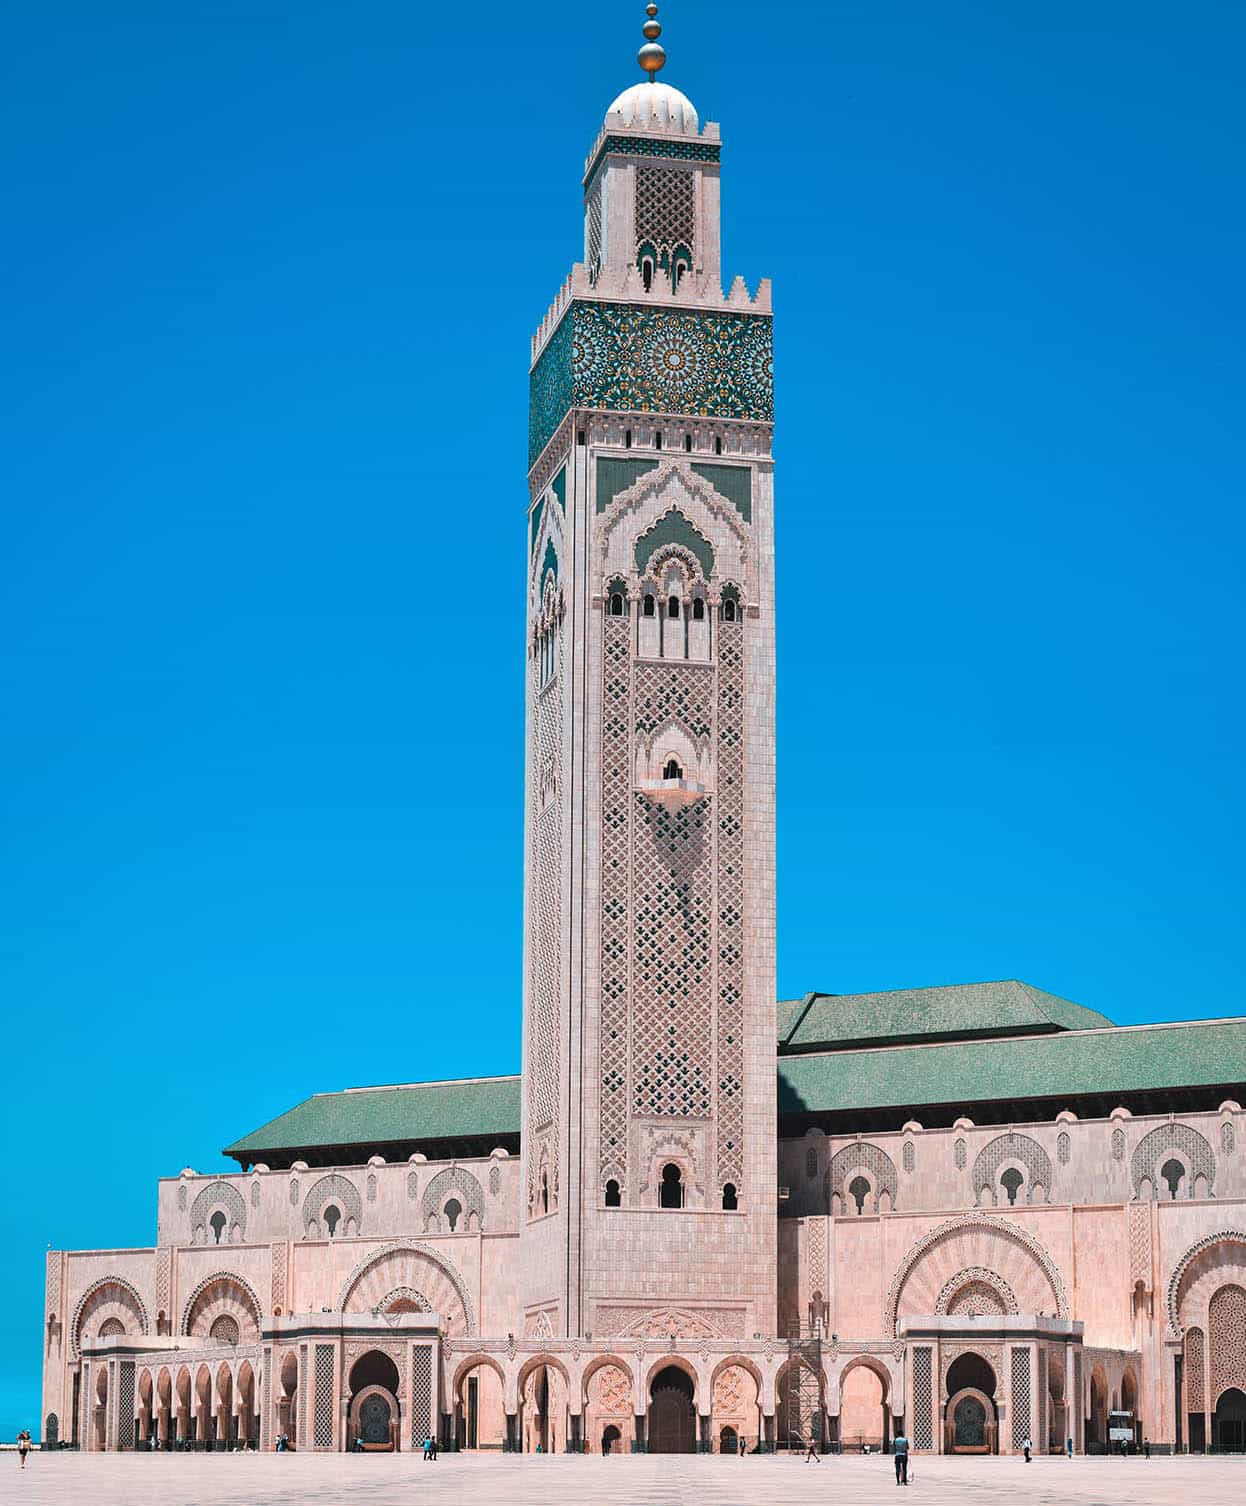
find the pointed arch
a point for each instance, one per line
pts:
(222, 1294)
(110, 1298)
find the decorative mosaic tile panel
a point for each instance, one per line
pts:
(421, 1403)
(1179, 1137)
(1194, 1376)
(322, 1426)
(730, 906)
(922, 1424)
(630, 358)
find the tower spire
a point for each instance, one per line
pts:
(652, 55)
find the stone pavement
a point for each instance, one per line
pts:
(656, 1480)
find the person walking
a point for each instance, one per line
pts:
(812, 1451)
(901, 1449)
(23, 1446)
(427, 1446)
(1146, 1448)
(1026, 1450)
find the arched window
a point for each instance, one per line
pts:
(648, 608)
(729, 1198)
(676, 275)
(332, 1218)
(718, 444)
(613, 1200)
(454, 1212)
(1172, 1172)
(672, 607)
(858, 1191)
(671, 1192)
(698, 609)
(544, 1193)
(728, 610)
(672, 769)
(218, 1224)
(1011, 1182)
(646, 272)
(616, 604)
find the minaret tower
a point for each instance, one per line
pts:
(649, 1113)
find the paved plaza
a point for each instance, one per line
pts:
(654, 1480)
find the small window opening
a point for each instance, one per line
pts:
(688, 443)
(616, 604)
(454, 1212)
(580, 436)
(672, 607)
(657, 441)
(218, 1225)
(671, 1192)
(544, 1193)
(627, 439)
(718, 444)
(332, 1218)
(729, 1198)
(649, 606)
(612, 1194)
(672, 769)
(858, 1191)
(679, 272)
(1172, 1172)
(698, 609)
(1011, 1182)
(646, 272)
(728, 610)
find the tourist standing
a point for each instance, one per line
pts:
(901, 1447)
(1026, 1449)
(1146, 1448)
(23, 1446)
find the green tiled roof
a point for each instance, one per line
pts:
(1131, 1059)
(377, 1116)
(959, 1010)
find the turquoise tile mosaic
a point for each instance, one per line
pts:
(626, 357)
(646, 146)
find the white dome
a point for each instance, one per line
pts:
(651, 104)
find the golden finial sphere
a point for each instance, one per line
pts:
(651, 10)
(651, 57)
(652, 29)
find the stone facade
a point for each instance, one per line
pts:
(647, 1255)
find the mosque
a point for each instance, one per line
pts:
(698, 1219)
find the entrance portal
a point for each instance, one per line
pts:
(374, 1419)
(373, 1414)
(1230, 1434)
(672, 1419)
(971, 1420)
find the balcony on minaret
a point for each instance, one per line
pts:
(672, 787)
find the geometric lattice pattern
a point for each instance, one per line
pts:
(333, 1189)
(616, 801)
(960, 1155)
(664, 212)
(1118, 1144)
(1040, 1426)
(1012, 1148)
(421, 1393)
(1226, 1333)
(922, 1424)
(1178, 1137)
(322, 1424)
(874, 1160)
(1021, 1423)
(730, 907)
(594, 231)
(219, 1195)
(648, 146)
(1063, 1147)
(125, 1404)
(1195, 1378)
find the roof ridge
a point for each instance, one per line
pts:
(434, 1082)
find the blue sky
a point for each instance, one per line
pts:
(272, 271)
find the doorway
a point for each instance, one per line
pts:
(672, 1417)
(1230, 1424)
